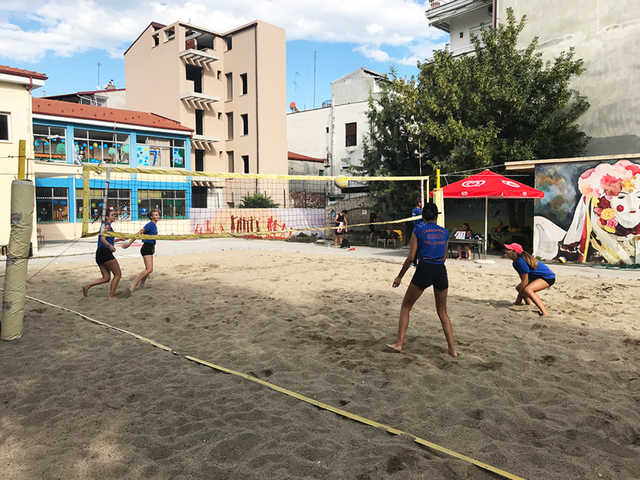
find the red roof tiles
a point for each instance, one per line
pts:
(22, 73)
(304, 158)
(44, 106)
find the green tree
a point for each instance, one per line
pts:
(258, 200)
(496, 105)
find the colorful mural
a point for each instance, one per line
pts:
(279, 222)
(591, 212)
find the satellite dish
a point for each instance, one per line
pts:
(293, 107)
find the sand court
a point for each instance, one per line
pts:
(552, 398)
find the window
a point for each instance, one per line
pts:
(97, 147)
(351, 134)
(49, 143)
(195, 75)
(245, 163)
(170, 203)
(119, 201)
(230, 162)
(219, 115)
(219, 74)
(52, 204)
(228, 42)
(160, 152)
(170, 34)
(321, 173)
(156, 40)
(4, 128)
(229, 77)
(230, 126)
(245, 124)
(245, 86)
(199, 160)
(199, 122)
(199, 197)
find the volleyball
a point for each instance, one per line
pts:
(341, 182)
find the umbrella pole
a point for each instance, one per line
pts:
(486, 215)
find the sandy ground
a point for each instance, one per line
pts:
(541, 398)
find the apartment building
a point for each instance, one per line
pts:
(336, 131)
(606, 35)
(230, 88)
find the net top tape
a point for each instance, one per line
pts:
(183, 173)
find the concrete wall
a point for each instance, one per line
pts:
(308, 132)
(606, 35)
(301, 167)
(15, 100)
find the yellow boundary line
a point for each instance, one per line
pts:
(311, 401)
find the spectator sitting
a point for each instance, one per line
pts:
(462, 234)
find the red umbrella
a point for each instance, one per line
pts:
(487, 185)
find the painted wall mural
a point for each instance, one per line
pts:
(279, 222)
(590, 213)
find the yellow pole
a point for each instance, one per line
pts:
(86, 202)
(22, 159)
(438, 178)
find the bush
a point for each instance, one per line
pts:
(302, 238)
(258, 201)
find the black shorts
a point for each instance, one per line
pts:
(339, 233)
(103, 255)
(550, 281)
(372, 228)
(147, 249)
(428, 274)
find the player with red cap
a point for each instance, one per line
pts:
(534, 276)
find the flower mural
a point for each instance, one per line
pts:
(606, 217)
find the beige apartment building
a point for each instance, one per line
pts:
(230, 88)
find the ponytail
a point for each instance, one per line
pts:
(530, 259)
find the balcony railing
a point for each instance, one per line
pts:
(200, 142)
(199, 58)
(198, 100)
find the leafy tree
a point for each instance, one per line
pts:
(258, 200)
(497, 105)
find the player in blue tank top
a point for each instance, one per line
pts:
(429, 241)
(534, 276)
(106, 261)
(148, 249)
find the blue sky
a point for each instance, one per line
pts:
(67, 39)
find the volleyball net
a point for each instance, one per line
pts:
(210, 204)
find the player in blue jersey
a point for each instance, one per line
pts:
(147, 250)
(534, 276)
(105, 260)
(429, 241)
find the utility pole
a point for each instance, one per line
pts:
(99, 65)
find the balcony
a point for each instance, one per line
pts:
(199, 101)
(441, 12)
(199, 58)
(202, 142)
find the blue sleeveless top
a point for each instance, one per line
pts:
(432, 243)
(110, 240)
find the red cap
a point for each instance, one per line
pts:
(516, 247)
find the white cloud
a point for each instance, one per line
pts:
(66, 27)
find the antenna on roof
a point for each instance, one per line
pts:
(314, 80)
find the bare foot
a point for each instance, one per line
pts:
(395, 347)
(453, 353)
(85, 291)
(132, 288)
(112, 298)
(545, 314)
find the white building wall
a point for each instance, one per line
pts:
(308, 132)
(606, 35)
(343, 155)
(464, 24)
